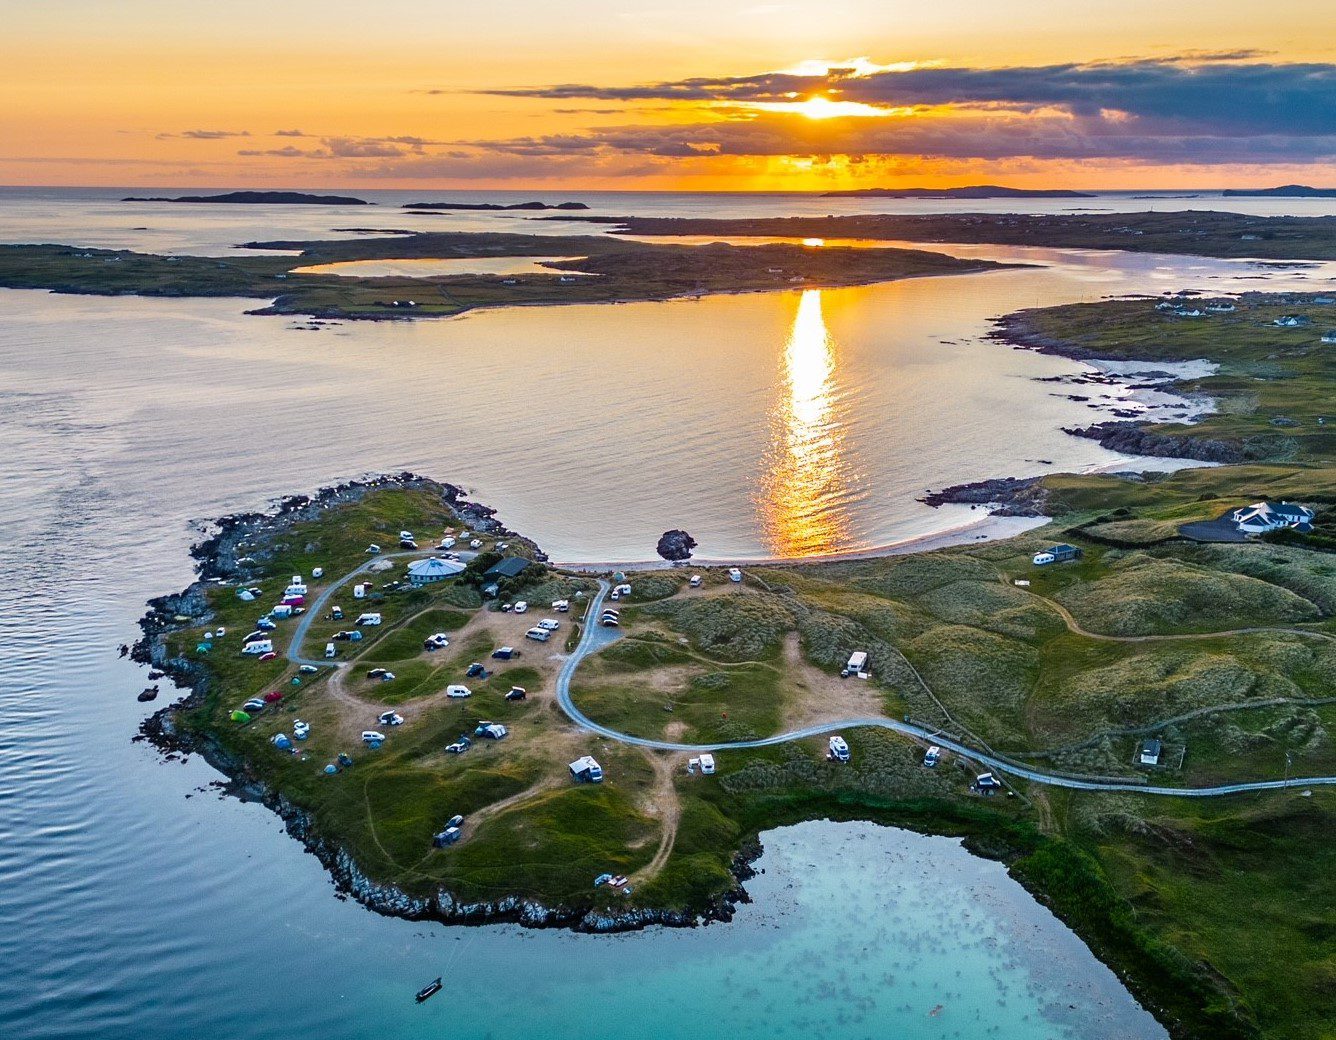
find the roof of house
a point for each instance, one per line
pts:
(1063, 548)
(434, 568)
(510, 567)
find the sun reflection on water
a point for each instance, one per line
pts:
(804, 496)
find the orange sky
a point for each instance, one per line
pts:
(147, 92)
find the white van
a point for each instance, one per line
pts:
(734, 574)
(331, 650)
(707, 764)
(561, 606)
(695, 581)
(368, 619)
(550, 624)
(359, 591)
(539, 635)
(521, 606)
(458, 692)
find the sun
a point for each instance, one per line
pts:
(820, 107)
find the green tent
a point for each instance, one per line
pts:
(240, 716)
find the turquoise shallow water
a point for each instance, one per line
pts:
(136, 903)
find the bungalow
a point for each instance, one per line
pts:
(1329, 336)
(1261, 517)
(1149, 752)
(1057, 554)
(1221, 307)
(1290, 321)
(425, 572)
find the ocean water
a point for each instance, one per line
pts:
(137, 902)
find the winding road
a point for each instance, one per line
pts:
(594, 638)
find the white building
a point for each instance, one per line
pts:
(1261, 517)
(424, 572)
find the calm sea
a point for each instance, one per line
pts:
(138, 903)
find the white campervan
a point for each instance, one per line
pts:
(368, 619)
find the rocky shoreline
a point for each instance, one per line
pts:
(1026, 496)
(222, 556)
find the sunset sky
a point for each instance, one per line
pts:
(678, 94)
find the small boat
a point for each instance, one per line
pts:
(428, 991)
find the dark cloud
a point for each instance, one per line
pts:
(990, 135)
(289, 133)
(1215, 96)
(205, 135)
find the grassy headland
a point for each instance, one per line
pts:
(623, 271)
(1216, 911)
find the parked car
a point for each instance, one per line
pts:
(447, 837)
(475, 671)
(517, 693)
(454, 821)
(390, 718)
(269, 656)
(436, 642)
(458, 747)
(308, 669)
(549, 624)
(372, 737)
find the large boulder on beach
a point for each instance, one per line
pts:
(676, 545)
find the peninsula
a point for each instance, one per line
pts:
(1158, 710)
(1190, 232)
(623, 271)
(262, 198)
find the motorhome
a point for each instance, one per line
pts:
(368, 619)
(586, 770)
(707, 764)
(734, 574)
(933, 756)
(331, 650)
(857, 663)
(561, 606)
(260, 646)
(839, 750)
(695, 581)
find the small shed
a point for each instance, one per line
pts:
(1149, 752)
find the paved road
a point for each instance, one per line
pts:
(317, 605)
(594, 638)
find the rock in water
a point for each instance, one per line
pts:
(676, 545)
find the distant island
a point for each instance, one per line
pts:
(270, 198)
(1285, 191)
(495, 205)
(973, 191)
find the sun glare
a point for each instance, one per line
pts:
(821, 107)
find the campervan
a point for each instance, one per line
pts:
(933, 756)
(260, 646)
(330, 650)
(839, 750)
(457, 691)
(369, 619)
(538, 635)
(734, 574)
